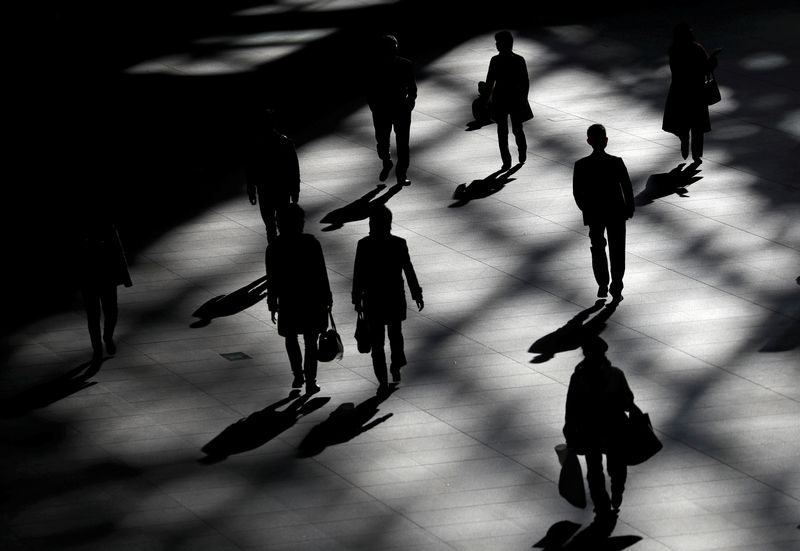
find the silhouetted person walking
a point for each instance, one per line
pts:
(391, 94)
(507, 84)
(595, 425)
(686, 109)
(298, 292)
(378, 291)
(102, 267)
(272, 171)
(603, 192)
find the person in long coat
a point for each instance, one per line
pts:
(102, 267)
(603, 191)
(595, 424)
(508, 85)
(379, 291)
(298, 292)
(686, 109)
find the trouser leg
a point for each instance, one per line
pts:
(616, 252)
(519, 137)
(618, 473)
(91, 303)
(310, 360)
(502, 139)
(267, 207)
(108, 300)
(684, 137)
(599, 258)
(697, 143)
(396, 344)
(378, 338)
(597, 483)
(295, 356)
(383, 129)
(402, 133)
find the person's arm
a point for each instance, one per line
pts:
(524, 81)
(411, 87)
(491, 78)
(294, 172)
(358, 276)
(272, 281)
(411, 277)
(577, 185)
(627, 189)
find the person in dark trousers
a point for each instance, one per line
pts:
(595, 425)
(298, 292)
(272, 171)
(392, 94)
(378, 292)
(507, 84)
(102, 267)
(686, 109)
(603, 192)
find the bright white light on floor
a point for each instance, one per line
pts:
(310, 6)
(764, 61)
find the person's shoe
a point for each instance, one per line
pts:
(384, 390)
(97, 355)
(602, 292)
(387, 166)
(506, 165)
(697, 161)
(403, 181)
(523, 156)
(616, 298)
(395, 371)
(298, 381)
(312, 388)
(111, 348)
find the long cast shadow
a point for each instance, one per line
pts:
(570, 335)
(358, 209)
(484, 187)
(562, 536)
(260, 427)
(345, 423)
(667, 183)
(49, 392)
(232, 303)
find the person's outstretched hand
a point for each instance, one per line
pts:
(420, 304)
(272, 316)
(252, 199)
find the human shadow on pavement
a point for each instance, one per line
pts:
(484, 187)
(595, 537)
(345, 423)
(49, 392)
(358, 209)
(673, 182)
(570, 335)
(232, 303)
(260, 427)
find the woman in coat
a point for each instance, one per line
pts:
(102, 267)
(298, 292)
(686, 110)
(379, 292)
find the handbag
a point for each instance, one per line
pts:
(330, 345)
(711, 90)
(641, 442)
(570, 480)
(362, 335)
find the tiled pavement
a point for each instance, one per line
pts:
(462, 457)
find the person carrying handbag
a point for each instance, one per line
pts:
(596, 425)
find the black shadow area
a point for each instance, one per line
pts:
(232, 303)
(673, 182)
(484, 187)
(571, 335)
(595, 537)
(345, 423)
(49, 392)
(260, 427)
(358, 209)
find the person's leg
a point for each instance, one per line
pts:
(91, 303)
(310, 361)
(697, 144)
(402, 133)
(597, 483)
(295, 359)
(684, 137)
(378, 338)
(502, 140)
(108, 301)
(618, 473)
(519, 137)
(383, 129)
(616, 252)
(395, 330)
(267, 207)
(599, 259)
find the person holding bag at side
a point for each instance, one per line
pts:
(379, 292)
(299, 293)
(596, 425)
(686, 109)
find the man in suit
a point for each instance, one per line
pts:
(392, 94)
(507, 84)
(603, 192)
(272, 170)
(379, 292)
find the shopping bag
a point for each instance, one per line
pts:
(362, 335)
(570, 481)
(641, 442)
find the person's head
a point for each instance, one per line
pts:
(594, 347)
(380, 220)
(387, 46)
(682, 33)
(291, 219)
(504, 41)
(596, 136)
